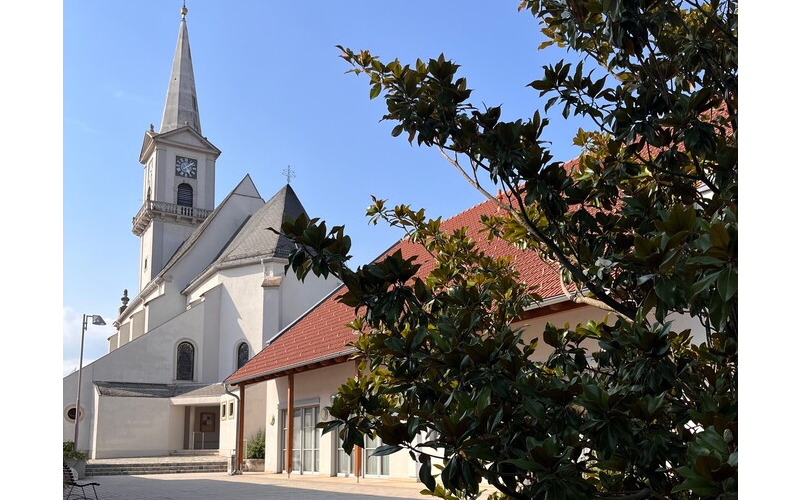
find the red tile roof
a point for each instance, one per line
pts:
(320, 337)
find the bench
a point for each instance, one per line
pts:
(71, 482)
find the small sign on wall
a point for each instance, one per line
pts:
(207, 422)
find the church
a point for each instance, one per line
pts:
(220, 343)
(212, 293)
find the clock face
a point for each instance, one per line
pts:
(186, 167)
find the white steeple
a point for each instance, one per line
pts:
(180, 107)
(179, 167)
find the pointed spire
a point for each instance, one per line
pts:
(180, 107)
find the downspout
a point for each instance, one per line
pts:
(235, 469)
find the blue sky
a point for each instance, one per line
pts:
(272, 92)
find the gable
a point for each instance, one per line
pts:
(184, 137)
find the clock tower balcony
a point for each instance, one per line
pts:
(172, 211)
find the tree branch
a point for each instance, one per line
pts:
(563, 260)
(579, 298)
(643, 493)
(475, 183)
(522, 218)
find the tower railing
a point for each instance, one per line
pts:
(152, 209)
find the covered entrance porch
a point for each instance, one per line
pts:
(201, 418)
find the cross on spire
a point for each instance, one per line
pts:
(288, 173)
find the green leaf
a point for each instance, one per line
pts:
(727, 283)
(375, 90)
(705, 260)
(542, 85)
(719, 310)
(525, 464)
(666, 290)
(551, 336)
(483, 399)
(703, 284)
(329, 426)
(425, 474)
(718, 235)
(385, 449)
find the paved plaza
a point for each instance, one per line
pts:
(250, 486)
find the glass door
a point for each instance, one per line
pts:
(375, 466)
(305, 439)
(371, 466)
(345, 463)
(311, 440)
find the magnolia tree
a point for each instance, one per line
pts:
(642, 225)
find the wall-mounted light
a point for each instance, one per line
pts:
(272, 419)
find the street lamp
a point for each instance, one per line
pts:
(96, 320)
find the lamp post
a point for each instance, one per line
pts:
(96, 320)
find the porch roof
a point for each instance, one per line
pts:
(143, 390)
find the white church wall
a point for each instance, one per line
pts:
(138, 325)
(228, 425)
(210, 329)
(146, 262)
(241, 312)
(272, 426)
(255, 410)
(199, 289)
(171, 302)
(137, 427)
(163, 177)
(163, 307)
(255, 403)
(157, 348)
(298, 297)
(112, 342)
(207, 177)
(171, 237)
(69, 395)
(186, 143)
(207, 247)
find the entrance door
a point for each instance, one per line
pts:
(305, 439)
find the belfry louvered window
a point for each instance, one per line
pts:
(185, 195)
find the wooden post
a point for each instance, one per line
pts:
(290, 421)
(357, 462)
(240, 432)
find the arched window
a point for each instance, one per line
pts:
(185, 369)
(242, 355)
(185, 195)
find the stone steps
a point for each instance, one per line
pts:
(160, 466)
(194, 453)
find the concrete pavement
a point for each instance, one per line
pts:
(250, 486)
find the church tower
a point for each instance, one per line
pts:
(179, 163)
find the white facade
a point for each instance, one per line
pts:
(212, 292)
